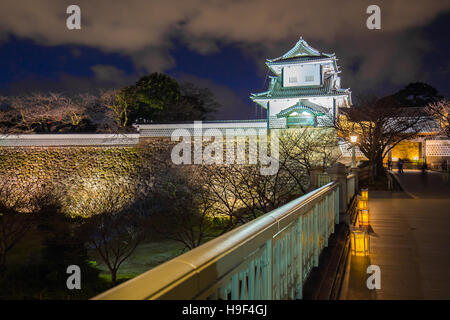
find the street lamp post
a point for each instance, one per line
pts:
(353, 140)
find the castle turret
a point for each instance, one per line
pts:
(304, 89)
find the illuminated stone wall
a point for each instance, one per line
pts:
(407, 150)
(87, 177)
(83, 175)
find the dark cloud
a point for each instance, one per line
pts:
(143, 30)
(105, 77)
(105, 73)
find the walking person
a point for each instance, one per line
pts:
(389, 164)
(400, 165)
(424, 169)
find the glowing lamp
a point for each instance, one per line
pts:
(353, 139)
(394, 158)
(365, 194)
(362, 204)
(363, 217)
(359, 239)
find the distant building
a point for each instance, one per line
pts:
(305, 89)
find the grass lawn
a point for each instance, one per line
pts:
(145, 257)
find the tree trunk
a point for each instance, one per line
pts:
(379, 169)
(372, 172)
(113, 277)
(2, 259)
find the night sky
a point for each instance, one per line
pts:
(221, 45)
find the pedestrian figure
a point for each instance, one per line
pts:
(400, 165)
(389, 165)
(424, 168)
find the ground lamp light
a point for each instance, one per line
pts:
(363, 217)
(359, 240)
(362, 204)
(365, 194)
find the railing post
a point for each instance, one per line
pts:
(326, 209)
(316, 234)
(314, 179)
(355, 171)
(267, 276)
(299, 294)
(235, 287)
(338, 172)
(336, 204)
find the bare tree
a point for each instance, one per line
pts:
(183, 209)
(39, 112)
(441, 111)
(305, 149)
(241, 193)
(114, 234)
(9, 117)
(115, 102)
(19, 214)
(380, 125)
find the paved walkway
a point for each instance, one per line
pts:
(409, 241)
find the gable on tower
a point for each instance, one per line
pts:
(302, 49)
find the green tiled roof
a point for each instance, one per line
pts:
(278, 91)
(300, 107)
(302, 49)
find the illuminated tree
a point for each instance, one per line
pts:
(441, 111)
(182, 206)
(37, 112)
(115, 233)
(118, 106)
(306, 149)
(380, 125)
(149, 94)
(241, 192)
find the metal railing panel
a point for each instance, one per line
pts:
(351, 184)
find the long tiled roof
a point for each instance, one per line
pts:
(278, 91)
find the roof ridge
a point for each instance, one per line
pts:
(302, 49)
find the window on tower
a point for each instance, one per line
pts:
(302, 75)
